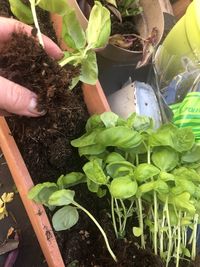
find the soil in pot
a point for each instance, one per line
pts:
(45, 141)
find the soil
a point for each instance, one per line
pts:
(45, 141)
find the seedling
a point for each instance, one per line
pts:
(82, 43)
(53, 195)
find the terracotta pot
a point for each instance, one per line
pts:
(96, 103)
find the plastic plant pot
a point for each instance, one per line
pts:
(181, 47)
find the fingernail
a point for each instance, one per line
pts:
(32, 107)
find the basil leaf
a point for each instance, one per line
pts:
(72, 32)
(54, 6)
(21, 11)
(62, 197)
(70, 179)
(119, 136)
(65, 218)
(89, 68)
(94, 172)
(99, 26)
(123, 188)
(109, 119)
(145, 171)
(165, 158)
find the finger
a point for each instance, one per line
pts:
(8, 26)
(17, 99)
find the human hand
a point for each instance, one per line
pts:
(13, 97)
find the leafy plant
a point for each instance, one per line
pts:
(55, 195)
(82, 43)
(145, 171)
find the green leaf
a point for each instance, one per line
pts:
(120, 136)
(165, 158)
(35, 191)
(188, 174)
(113, 157)
(54, 6)
(166, 176)
(184, 140)
(92, 186)
(94, 172)
(86, 139)
(109, 119)
(65, 218)
(164, 136)
(137, 231)
(183, 185)
(159, 186)
(139, 123)
(183, 202)
(70, 179)
(123, 188)
(89, 68)
(192, 155)
(99, 26)
(93, 123)
(91, 150)
(72, 32)
(145, 171)
(120, 168)
(21, 11)
(62, 197)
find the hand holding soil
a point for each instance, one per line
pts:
(13, 97)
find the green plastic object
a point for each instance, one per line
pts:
(181, 46)
(187, 113)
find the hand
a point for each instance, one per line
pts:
(13, 97)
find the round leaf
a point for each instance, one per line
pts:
(165, 158)
(145, 171)
(61, 197)
(65, 218)
(123, 187)
(120, 136)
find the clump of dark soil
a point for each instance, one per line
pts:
(45, 141)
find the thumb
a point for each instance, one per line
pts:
(17, 99)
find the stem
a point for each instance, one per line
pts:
(33, 10)
(125, 217)
(179, 240)
(68, 59)
(194, 243)
(162, 232)
(100, 229)
(169, 233)
(119, 217)
(141, 222)
(155, 223)
(113, 217)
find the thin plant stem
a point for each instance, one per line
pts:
(33, 10)
(113, 217)
(155, 223)
(100, 229)
(169, 233)
(179, 239)
(119, 217)
(161, 231)
(194, 243)
(141, 222)
(125, 216)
